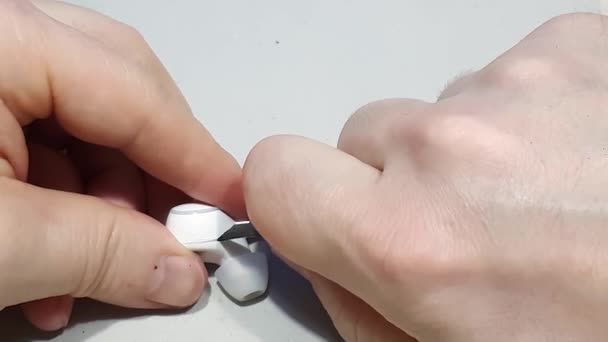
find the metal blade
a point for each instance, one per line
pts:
(239, 230)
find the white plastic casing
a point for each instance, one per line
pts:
(243, 271)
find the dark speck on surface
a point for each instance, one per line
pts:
(276, 42)
(155, 267)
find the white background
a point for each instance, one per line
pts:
(251, 69)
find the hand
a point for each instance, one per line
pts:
(109, 145)
(481, 217)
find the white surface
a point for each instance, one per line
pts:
(256, 68)
(242, 273)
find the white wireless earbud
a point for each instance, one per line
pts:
(243, 271)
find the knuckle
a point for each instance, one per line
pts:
(437, 132)
(351, 137)
(558, 51)
(360, 118)
(133, 43)
(448, 138)
(524, 71)
(373, 117)
(130, 35)
(380, 114)
(364, 114)
(551, 52)
(567, 21)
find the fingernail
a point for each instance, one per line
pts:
(177, 281)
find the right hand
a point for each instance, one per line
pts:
(95, 142)
(478, 217)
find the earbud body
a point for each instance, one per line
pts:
(243, 271)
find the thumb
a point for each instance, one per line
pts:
(56, 243)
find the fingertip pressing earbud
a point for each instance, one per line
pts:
(243, 270)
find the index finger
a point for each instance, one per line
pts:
(103, 96)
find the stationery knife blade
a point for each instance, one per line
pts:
(239, 230)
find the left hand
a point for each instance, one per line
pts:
(96, 140)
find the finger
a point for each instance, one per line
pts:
(352, 317)
(102, 97)
(367, 133)
(52, 170)
(49, 314)
(309, 202)
(115, 255)
(108, 174)
(111, 176)
(13, 149)
(121, 37)
(110, 32)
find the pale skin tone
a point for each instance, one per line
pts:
(477, 217)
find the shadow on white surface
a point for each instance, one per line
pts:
(287, 291)
(14, 327)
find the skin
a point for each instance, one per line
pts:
(477, 217)
(96, 145)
